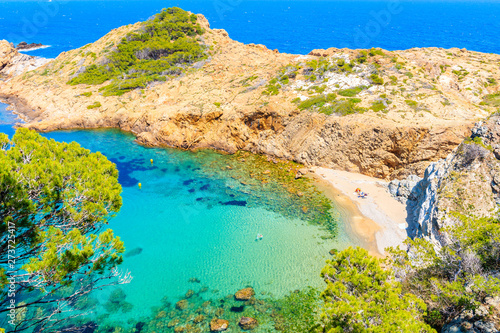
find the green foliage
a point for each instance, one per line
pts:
(317, 101)
(411, 103)
(459, 275)
(343, 66)
(373, 52)
(272, 89)
(362, 56)
(327, 104)
(95, 105)
(283, 78)
(298, 311)
(378, 106)
(87, 94)
(491, 82)
(362, 297)
(217, 104)
(491, 100)
(376, 79)
(478, 141)
(54, 198)
(246, 82)
(163, 46)
(350, 92)
(462, 73)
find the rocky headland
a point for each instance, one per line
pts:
(424, 119)
(394, 112)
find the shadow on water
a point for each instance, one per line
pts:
(127, 167)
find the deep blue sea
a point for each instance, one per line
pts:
(290, 26)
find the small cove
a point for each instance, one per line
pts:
(193, 224)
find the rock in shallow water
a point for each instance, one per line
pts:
(182, 304)
(244, 294)
(248, 323)
(218, 325)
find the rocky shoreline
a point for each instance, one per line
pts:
(426, 106)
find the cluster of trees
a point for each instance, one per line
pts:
(55, 199)
(163, 46)
(415, 290)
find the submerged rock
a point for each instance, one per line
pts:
(244, 294)
(218, 325)
(189, 293)
(248, 323)
(199, 319)
(133, 252)
(182, 304)
(194, 280)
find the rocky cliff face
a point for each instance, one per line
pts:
(466, 182)
(414, 106)
(13, 63)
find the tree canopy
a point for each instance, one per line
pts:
(457, 276)
(361, 296)
(54, 200)
(161, 47)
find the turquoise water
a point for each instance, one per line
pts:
(197, 217)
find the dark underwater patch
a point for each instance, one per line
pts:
(234, 203)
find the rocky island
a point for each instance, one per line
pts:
(23, 46)
(424, 119)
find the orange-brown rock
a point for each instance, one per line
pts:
(248, 323)
(221, 105)
(218, 325)
(244, 294)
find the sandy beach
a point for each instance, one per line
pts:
(378, 220)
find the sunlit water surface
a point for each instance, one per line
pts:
(192, 221)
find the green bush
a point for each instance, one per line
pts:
(272, 88)
(94, 106)
(378, 106)
(362, 56)
(373, 52)
(411, 103)
(491, 81)
(376, 79)
(161, 47)
(361, 296)
(298, 311)
(443, 277)
(350, 92)
(491, 100)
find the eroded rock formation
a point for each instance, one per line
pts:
(425, 107)
(466, 182)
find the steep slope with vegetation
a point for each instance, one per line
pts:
(174, 81)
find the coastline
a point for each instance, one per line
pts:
(378, 221)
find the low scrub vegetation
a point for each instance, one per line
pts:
(350, 92)
(328, 104)
(162, 47)
(491, 100)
